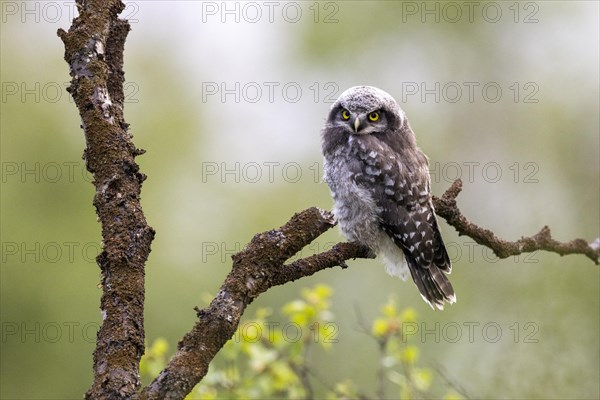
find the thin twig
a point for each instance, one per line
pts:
(364, 328)
(381, 370)
(437, 367)
(446, 208)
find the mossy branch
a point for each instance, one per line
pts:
(94, 51)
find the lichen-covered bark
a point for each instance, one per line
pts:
(94, 52)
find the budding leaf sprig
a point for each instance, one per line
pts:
(271, 359)
(399, 357)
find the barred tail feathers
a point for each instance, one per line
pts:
(434, 286)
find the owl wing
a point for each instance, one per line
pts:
(417, 234)
(408, 217)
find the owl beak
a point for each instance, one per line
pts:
(356, 124)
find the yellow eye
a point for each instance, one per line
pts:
(345, 115)
(374, 116)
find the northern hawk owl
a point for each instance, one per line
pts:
(379, 180)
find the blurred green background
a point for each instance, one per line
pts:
(228, 100)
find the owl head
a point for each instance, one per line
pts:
(363, 110)
(369, 113)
